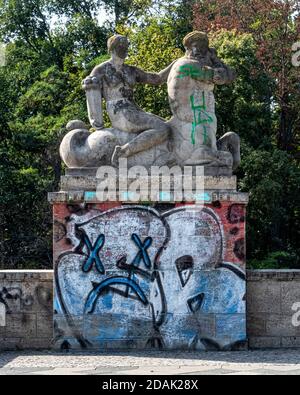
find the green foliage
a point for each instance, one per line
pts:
(276, 260)
(250, 97)
(274, 26)
(40, 91)
(272, 177)
(25, 223)
(153, 49)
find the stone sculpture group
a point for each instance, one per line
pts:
(166, 273)
(188, 139)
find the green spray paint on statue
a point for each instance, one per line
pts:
(192, 71)
(197, 73)
(199, 111)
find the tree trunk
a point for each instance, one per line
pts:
(284, 139)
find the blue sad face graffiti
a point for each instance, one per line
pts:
(111, 274)
(136, 276)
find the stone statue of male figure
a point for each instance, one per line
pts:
(188, 139)
(115, 81)
(191, 94)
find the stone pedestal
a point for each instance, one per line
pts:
(157, 275)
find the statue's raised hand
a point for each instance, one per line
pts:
(220, 76)
(90, 83)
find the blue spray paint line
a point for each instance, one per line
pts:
(143, 254)
(90, 196)
(108, 301)
(204, 197)
(231, 326)
(96, 293)
(57, 306)
(198, 111)
(165, 196)
(94, 255)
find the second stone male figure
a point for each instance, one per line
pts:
(116, 80)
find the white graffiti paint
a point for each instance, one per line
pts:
(296, 55)
(136, 278)
(296, 316)
(2, 315)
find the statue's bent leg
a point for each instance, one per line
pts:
(146, 140)
(231, 142)
(151, 131)
(212, 135)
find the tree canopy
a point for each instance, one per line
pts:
(52, 45)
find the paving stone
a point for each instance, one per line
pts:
(276, 362)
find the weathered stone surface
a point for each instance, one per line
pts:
(194, 124)
(83, 190)
(271, 296)
(189, 138)
(138, 277)
(259, 337)
(289, 297)
(281, 325)
(71, 182)
(266, 298)
(231, 142)
(274, 275)
(256, 322)
(291, 342)
(26, 306)
(257, 343)
(21, 325)
(231, 326)
(44, 331)
(80, 148)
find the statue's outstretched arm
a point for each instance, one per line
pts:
(223, 73)
(144, 77)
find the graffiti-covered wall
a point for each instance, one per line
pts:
(26, 319)
(164, 276)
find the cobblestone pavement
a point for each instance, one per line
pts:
(281, 362)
